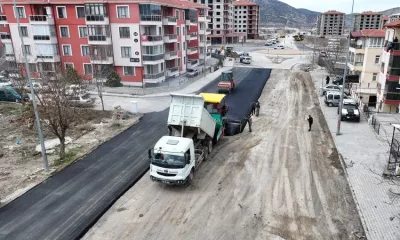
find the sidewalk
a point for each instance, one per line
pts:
(365, 156)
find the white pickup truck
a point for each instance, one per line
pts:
(175, 159)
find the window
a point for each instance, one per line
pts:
(179, 46)
(80, 12)
(374, 76)
(87, 69)
(122, 12)
(28, 50)
(177, 31)
(82, 32)
(377, 57)
(61, 12)
(337, 97)
(67, 50)
(20, 12)
(184, 46)
(129, 71)
(46, 67)
(184, 60)
(376, 42)
(69, 66)
(32, 67)
(177, 14)
(124, 32)
(183, 31)
(64, 32)
(126, 52)
(85, 50)
(24, 31)
(179, 62)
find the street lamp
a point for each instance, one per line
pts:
(345, 73)
(35, 108)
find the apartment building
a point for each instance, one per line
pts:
(330, 23)
(143, 42)
(367, 20)
(394, 17)
(388, 89)
(365, 51)
(247, 18)
(384, 21)
(221, 22)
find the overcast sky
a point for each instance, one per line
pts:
(344, 5)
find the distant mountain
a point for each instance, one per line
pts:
(391, 11)
(274, 11)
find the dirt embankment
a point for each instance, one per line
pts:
(278, 182)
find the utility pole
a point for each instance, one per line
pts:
(205, 51)
(35, 108)
(313, 56)
(345, 73)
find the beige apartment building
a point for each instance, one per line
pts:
(247, 18)
(365, 50)
(367, 20)
(330, 23)
(388, 87)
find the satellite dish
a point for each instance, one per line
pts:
(359, 42)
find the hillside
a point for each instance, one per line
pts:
(274, 11)
(391, 11)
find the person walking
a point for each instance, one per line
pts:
(310, 122)
(328, 79)
(395, 40)
(257, 108)
(249, 121)
(253, 108)
(169, 130)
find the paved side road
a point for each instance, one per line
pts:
(66, 204)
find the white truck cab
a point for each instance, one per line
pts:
(173, 160)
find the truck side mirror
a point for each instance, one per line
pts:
(149, 153)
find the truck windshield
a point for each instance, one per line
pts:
(169, 160)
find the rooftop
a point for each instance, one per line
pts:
(385, 18)
(370, 13)
(369, 33)
(395, 24)
(333, 12)
(244, 3)
(172, 3)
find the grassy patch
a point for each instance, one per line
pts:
(11, 108)
(70, 157)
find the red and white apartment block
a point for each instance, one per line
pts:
(144, 41)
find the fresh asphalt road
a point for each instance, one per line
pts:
(67, 204)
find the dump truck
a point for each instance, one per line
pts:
(175, 159)
(226, 82)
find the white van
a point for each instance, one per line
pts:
(332, 98)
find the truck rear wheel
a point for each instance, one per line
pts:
(209, 146)
(205, 149)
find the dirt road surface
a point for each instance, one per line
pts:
(278, 182)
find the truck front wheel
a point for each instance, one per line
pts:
(190, 178)
(209, 146)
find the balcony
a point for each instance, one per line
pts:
(393, 48)
(191, 22)
(153, 77)
(41, 19)
(150, 20)
(170, 38)
(101, 59)
(208, 31)
(172, 71)
(97, 20)
(5, 37)
(203, 18)
(191, 36)
(48, 58)
(45, 39)
(191, 51)
(171, 55)
(152, 40)
(99, 40)
(391, 96)
(171, 21)
(10, 57)
(3, 19)
(152, 59)
(355, 66)
(393, 71)
(208, 42)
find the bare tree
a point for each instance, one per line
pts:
(56, 110)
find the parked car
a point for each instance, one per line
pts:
(37, 87)
(5, 82)
(331, 87)
(279, 47)
(332, 98)
(245, 60)
(192, 72)
(75, 89)
(80, 100)
(268, 43)
(9, 94)
(350, 110)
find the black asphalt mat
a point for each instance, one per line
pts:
(67, 204)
